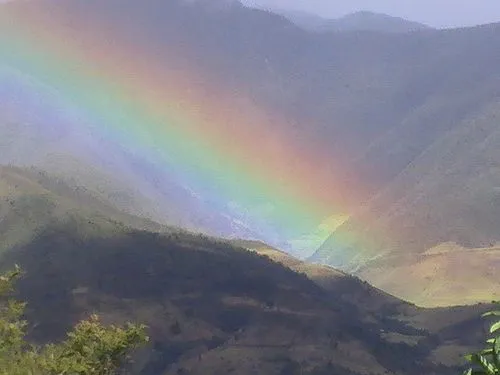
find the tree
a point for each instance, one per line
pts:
(487, 361)
(91, 348)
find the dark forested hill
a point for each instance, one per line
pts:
(211, 307)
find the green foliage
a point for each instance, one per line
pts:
(487, 361)
(90, 348)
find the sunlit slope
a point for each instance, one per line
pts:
(446, 275)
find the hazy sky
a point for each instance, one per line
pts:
(437, 13)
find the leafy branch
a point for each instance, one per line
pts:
(487, 361)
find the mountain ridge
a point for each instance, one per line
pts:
(362, 20)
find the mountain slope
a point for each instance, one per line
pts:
(368, 103)
(32, 200)
(388, 113)
(438, 324)
(447, 275)
(448, 194)
(207, 304)
(215, 310)
(340, 286)
(212, 307)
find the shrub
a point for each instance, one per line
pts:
(90, 348)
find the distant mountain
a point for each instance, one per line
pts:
(369, 21)
(212, 306)
(305, 20)
(358, 21)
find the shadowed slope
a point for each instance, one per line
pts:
(340, 285)
(211, 307)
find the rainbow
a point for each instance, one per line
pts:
(209, 137)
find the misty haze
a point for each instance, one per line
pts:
(267, 187)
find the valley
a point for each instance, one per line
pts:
(268, 191)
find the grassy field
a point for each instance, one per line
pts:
(446, 275)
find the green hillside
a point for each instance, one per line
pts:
(31, 201)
